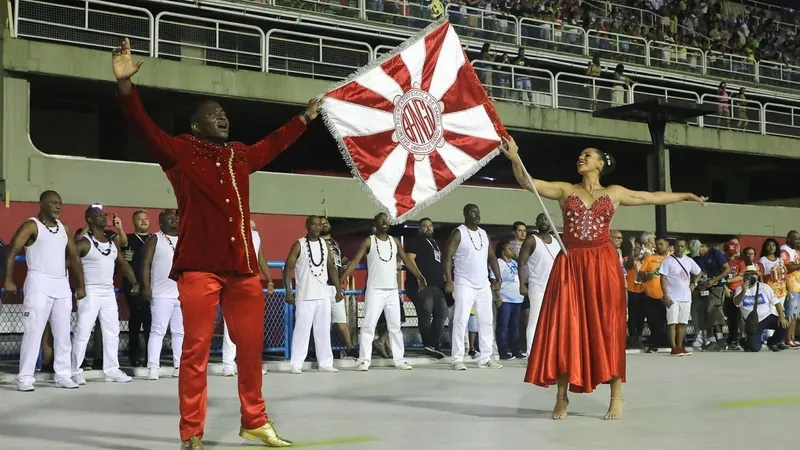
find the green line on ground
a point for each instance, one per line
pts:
(762, 402)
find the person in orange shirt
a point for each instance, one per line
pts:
(636, 297)
(653, 309)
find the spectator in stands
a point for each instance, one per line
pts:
(653, 308)
(679, 275)
(522, 79)
(756, 297)
(430, 302)
(723, 105)
(619, 89)
(594, 70)
(740, 109)
(509, 303)
(520, 232)
(791, 259)
(139, 310)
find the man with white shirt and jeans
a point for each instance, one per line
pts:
(753, 294)
(679, 276)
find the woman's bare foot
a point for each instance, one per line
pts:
(615, 407)
(560, 410)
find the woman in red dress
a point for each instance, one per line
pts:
(581, 334)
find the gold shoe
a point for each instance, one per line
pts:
(192, 444)
(266, 434)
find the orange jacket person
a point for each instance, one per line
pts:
(214, 262)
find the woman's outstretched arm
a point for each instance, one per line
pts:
(628, 197)
(550, 190)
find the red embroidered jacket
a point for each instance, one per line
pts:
(212, 187)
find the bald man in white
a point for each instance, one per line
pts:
(228, 347)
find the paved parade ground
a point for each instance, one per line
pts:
(707, 401)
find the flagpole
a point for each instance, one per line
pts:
(546, 213)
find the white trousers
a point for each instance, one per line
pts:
(465, 299)
(316, 315)
(99, 302)
(165, 311)
(536, 299)
(38, 309)
(228, 347)
(377, 301)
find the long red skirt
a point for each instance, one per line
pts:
(581, 330)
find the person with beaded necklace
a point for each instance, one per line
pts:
(382, 252)
(312, 260)
(99, 257)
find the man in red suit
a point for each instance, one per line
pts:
(214, 262)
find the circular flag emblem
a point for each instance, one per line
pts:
(418, 122)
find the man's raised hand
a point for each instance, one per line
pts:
(122, 63)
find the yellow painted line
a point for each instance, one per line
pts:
(762, 402)
(320, 443)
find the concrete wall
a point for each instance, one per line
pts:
(26, 171)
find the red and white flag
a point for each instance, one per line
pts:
(415, 123)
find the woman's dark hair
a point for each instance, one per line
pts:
(620, 68)
(609, 162)
(498, 249)
(777, 253)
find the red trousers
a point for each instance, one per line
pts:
(242, 301)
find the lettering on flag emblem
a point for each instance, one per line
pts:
(418, 122)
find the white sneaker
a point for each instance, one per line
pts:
(296, 371)
(459, 366)
(176, 372)
(25, 387)
(228, 371)
(66, 383)
(152, 374)
(79, 379)
(490, 365)
(403, 366)
(118, 376)
(362, 366)
(329, 369)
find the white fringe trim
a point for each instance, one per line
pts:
(349, 158)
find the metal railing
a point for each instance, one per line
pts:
(211, 42)
(517, 84)
(312, 56)
(238, 45)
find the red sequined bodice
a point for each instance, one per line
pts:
(587, 225)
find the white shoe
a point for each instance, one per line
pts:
(459, 366)
(176, 372)
(228, 371)
(66, 383)
(79, 379)
(490, 365)
(403, 366)
(263, 371)
(296, 371)
(329, 369)
(152, 374)
(25, 387)
(362, 366)
(118, 376)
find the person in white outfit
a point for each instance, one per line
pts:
(312, 261)
(679, 277)
(47, 292)
(100, 255)
(382, 252)
(467, 277)
(228, 347)
(161, 292)
(536, 259)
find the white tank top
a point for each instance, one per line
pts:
(256, 241)
(470, 263)
(161, 286)
(382, 264)
(98, 264)
(311, 272)
(540, 263)
(46, 261)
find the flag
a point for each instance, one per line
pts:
(415, 123)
